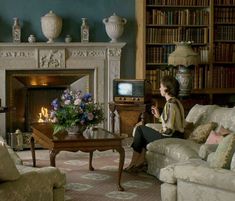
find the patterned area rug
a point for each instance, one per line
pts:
(100, 184)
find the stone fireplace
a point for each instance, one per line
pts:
(31, 75)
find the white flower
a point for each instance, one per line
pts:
(77, 101)
(67, 102)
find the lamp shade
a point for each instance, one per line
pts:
(183, 55)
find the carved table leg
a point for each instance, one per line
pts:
(121, 163)
(90, 161)
(32, 143)
(53, 154)
(112, 108)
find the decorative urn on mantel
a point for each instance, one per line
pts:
(114, 26)
(51, 26)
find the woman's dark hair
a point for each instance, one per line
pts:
(171, 84)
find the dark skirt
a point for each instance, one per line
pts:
(144, 135)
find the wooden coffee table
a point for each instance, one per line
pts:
(98, 139)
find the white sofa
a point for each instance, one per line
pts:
(187, 168)
(23, 183)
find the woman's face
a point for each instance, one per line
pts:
(163, 90)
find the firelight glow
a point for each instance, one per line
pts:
(43, 115)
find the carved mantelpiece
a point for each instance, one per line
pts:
(103, 58)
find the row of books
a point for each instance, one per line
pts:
(200, 78)
(159, 54)
(224, 2)
(154, 76)
(224, 52)
(170, 35)
(225, 32)
(177, 17)
(179, 2)
(222, 77)
(218, 77)
(224, 15)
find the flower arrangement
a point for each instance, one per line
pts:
(75, 109)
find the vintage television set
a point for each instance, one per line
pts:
(131, 91)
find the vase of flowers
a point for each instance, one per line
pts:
(73, 130)
(75, 110)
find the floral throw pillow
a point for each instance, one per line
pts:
(223, 155)
(201, 132)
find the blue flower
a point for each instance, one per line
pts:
(87, 97)
(55, 104)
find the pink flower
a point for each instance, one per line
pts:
(90, 116)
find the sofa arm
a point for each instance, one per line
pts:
(53, 174)
(167, 174)
(205, 175)
(40, 182)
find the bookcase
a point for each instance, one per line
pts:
(210, 24)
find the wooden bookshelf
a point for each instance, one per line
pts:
(209, 23)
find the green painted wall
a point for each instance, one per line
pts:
(30, 11)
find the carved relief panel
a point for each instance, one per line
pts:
(51, 58)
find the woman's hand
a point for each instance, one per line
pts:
(155, 112)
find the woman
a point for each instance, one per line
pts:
(172, 120)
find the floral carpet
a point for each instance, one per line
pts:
(100, 184)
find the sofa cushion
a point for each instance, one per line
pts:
(223, 154)
(201, 132)
(207, 149)
(214, 138)
(8, 170)
(175, 148)
(223, 131)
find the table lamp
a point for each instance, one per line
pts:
(183, 56)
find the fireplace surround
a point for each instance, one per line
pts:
(49, 69)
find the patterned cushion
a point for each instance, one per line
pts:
(8, 169)
(188, 129)
(232, 165)
(201, 132)
(224, 153)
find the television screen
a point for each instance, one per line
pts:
(125, 89)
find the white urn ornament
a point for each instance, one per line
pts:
(114, 26)
(51, 26)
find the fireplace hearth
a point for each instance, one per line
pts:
(29, 92)
(32, 74)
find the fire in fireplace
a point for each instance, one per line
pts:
(30, 91)
(44, 115)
